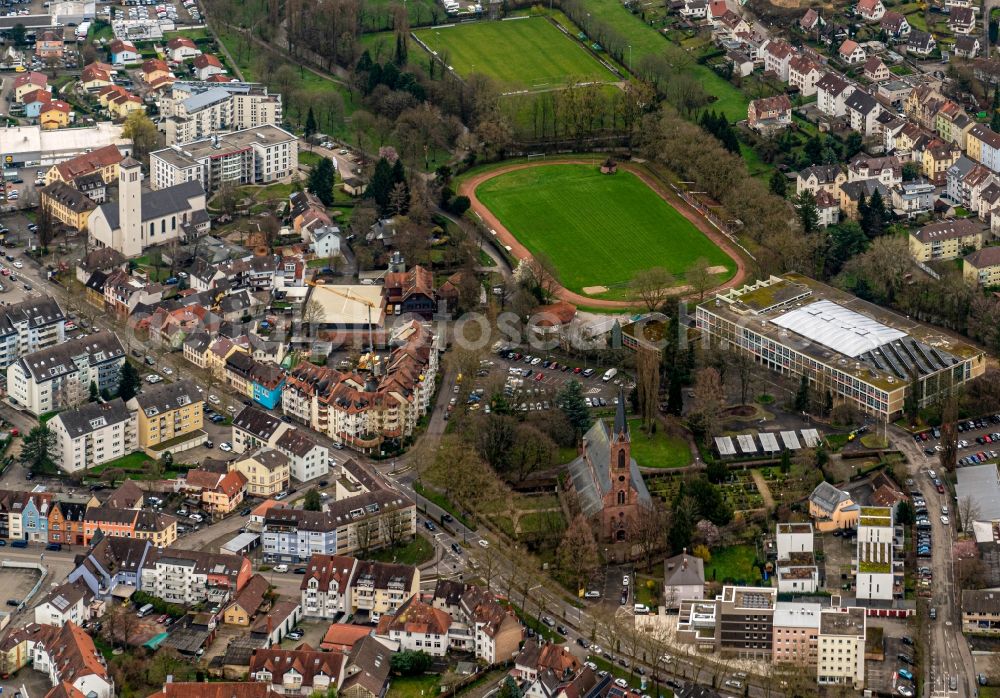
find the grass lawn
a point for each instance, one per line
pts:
(658, 451)
(525, 53)
(416, 552)
(132, 461)
(308, 157)
(735, 563)
(576, 217)
(414, 686)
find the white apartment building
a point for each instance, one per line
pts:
(187, 577)
(874, 577)
(795, 567)
(195, 110)
(326, 586)
(796, 633)
(793, 538)
(94, 433)
(840, 657)
(60, 376)
(258, 155)
(307, 459)
(28, 326)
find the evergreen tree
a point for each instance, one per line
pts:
(802, 395)
(380, 186)
(779, 184)
(94, 394)
(313, 501)
(786, 461)
(399, 57)
(805, 206)
(995, 121)
(310, 123)
(364, 63)
(873, 218)
(37, 446)
(398, 173)
(321, 181)
(570, 399)
(862, 209)
(128, 382)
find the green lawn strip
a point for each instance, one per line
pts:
(542, 521)
(660, 450)
(308, 157)
(416, 552)
(735, 563)
(44, 418)
(414, 686)
(574, 215)
(443, 502)
(526, 53)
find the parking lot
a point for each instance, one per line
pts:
(885, 677)
(531, 383)
(978, 440)
(16, 584)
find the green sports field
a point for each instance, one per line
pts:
(598, 230)
(526, 53)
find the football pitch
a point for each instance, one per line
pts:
(597, 230)
(525, 54)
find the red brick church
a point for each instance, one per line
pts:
(606, 479)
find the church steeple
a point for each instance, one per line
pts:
(621, 424)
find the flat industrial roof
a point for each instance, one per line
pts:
(835, 326)
(791, 440)
(240, 542)
(811, 437)
(981, 483)
(15, 140)
(350, 305)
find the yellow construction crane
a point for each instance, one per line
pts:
(351, 297)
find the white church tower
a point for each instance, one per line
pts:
(129, 233)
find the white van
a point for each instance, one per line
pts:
(609, 374)
(641, 609)
(281, 568)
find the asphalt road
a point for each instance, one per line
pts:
(949, 651)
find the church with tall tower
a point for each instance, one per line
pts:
(606, 480)
(142, 219)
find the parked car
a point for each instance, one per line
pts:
(280, 568)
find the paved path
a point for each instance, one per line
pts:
(468, 188)
(765, 491)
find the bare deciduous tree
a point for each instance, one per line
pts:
(652, 287)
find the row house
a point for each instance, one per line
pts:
(922, 105)
(187, 577)
(259, 381)
(945, 121)
(115, 523)
(832, 92)
(66, 522)
(123, 292)
(983, 146)
(981, 609)
(803, 74)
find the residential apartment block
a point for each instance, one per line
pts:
(840, 648)
(92, 434)
(60, 376)
(29, 326)
(861, 354)
(66, 655)
(258, 155)
(266, 471)
(795, 567)
(739, 621)
(946, 240)
(352, 410)
(796, 633)
(981, 612)
(169, 417)
(254, 428)
(187, 577)
(875, 575)
(195, 110)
